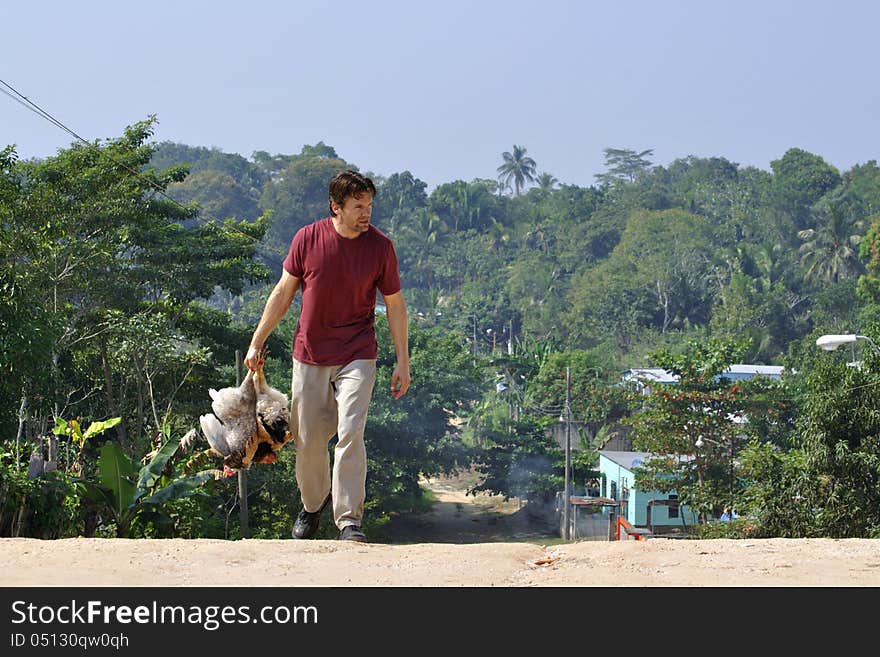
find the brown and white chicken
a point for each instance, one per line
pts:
(249, 423)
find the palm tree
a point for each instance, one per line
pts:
(830, 252)
(497, 233)
(547, 182)
(761, 262)
(517, 167)
(425, 228)
(422, 231)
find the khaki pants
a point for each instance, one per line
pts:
(328, 401)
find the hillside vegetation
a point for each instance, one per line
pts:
(133, 271)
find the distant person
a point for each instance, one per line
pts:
(728, 515)
(339, 263)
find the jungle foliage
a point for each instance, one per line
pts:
(133, 271)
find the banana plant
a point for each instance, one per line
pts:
(78, 437)
(126, 492)
(74, 431)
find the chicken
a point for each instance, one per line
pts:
(273, 408)
(249, 423)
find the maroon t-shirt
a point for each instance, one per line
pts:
(339, 278)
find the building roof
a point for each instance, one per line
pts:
(630, 460)
(772, 371)
(648, 375)
(626, 459)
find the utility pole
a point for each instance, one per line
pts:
(242, 473)
(567, 501)
(730, 479)
(510, 340)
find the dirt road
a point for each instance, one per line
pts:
(465, 541)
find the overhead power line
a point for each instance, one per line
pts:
(30, 105)
(39, 111)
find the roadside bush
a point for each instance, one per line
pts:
(44, 507)
(736, 528)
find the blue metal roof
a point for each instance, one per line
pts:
(649, 375)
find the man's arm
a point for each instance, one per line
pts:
(276, 306)
(395, 308)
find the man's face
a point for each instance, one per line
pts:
(353, 217)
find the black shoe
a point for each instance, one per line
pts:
(307, 522)
(352, 533)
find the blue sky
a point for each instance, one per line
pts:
(442, 89)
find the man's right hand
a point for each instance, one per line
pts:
(252, 360)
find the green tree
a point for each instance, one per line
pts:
(29, 329)
(747, 310)
(519, 459)
(839, 435)
(419, 241)
(461, 205)
(862, 181)
(869, 250)
(658, 275)
(781, 495)
(623, 164)
(830, 252)
(101, 243)
(517, 168)
(800, 179)
(702, 407)
(536, 290)
(197, 159)
(547, 182)
(296, 196)
(319, 150)
(715, 188)
(218, 194)
(596, 397)
(397, 199)
(755, 302)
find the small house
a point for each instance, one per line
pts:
(656, 511)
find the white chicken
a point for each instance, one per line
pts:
(249, 423)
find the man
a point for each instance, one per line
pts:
(338, 262)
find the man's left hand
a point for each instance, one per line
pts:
(399, 381)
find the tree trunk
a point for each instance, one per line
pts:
(139, 415)
(22, 417)
(663, 299)
(51, 454)
(108, 391)
(17, 521)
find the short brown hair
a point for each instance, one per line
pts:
(349, 183)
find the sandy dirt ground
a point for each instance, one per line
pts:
(465, 541)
